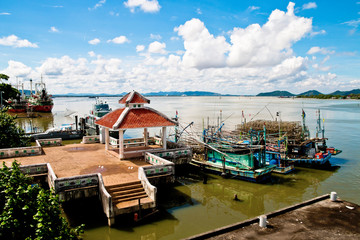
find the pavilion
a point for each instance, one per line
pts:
(134, 116)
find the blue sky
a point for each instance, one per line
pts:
(237, 47)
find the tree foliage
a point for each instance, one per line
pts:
(4, 76)
(30, 212)
(10, 134)
(8, 92)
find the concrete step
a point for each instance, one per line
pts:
(116, 201)
(124, 196)
(110, 187)
(125, 192)
(121, 188)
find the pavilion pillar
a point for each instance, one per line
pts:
(146, 137)
(163, 137)
(121, 144)
(107, 138)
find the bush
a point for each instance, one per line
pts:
(28, 211)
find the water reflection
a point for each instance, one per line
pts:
(37, 122)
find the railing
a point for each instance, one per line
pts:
(91, 139)
(105, 197)
(49, 142)
(51, 176)
(20, 152)
(35, 169)
(114, 142)
(159, 165)
(148, 187)
(76, 182)
(134, 142)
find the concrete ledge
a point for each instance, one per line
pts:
(251, 221)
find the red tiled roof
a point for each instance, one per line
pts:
(135, 118)
(142, 118)
(110, 119)
(136, 98)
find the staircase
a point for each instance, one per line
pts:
(126, 192)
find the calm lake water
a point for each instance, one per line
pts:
(191, 207)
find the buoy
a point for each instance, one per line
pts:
(333, 196)
(262, 221)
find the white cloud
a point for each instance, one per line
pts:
(15, 42)
(203, 50)
(253, 8)
(119, 40)
(112, 13)
(317, 49)
(17, 69)
(92, 54)
(198, 11)
(269, 44)
(321, 32)
(353, 23)
(157, 47)
(151, 6)
(174, 38)
(54, 29)
(140, 48)
(310, 5)
(155, 36)
(5, 13)
(97, 5)
(267, 62)
(94, 41)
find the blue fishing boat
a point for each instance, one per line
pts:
(235, 161)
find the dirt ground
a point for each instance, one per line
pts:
(321, 220)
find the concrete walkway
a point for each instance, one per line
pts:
(80, 159)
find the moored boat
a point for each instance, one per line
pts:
(235, 161)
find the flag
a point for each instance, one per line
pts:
(242, 112)
(303, 114)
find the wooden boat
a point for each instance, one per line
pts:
(235, 161)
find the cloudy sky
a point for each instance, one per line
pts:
(235, 47)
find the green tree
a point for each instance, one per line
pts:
(30, 212)
(3, 76)
(10, 134)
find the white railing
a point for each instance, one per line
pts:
(159, 165)
(114, 142)
(91, 139)
(106, 199)
(51, 176)
(148, 187)
(134, 142)
(49, 142)
(20, 152)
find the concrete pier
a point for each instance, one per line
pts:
(318, 218)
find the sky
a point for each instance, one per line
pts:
(230, 47)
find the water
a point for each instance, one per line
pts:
(192, 207)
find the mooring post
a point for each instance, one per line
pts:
(333, 196)
(262, 221)
(111, 221)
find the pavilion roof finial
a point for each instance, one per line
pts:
(133, 97)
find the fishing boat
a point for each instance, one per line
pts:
(65, 132)
(98, 110)
(17, 105)
(235, 161)
(40, 101)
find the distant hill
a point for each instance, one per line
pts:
(186, 93)
(276, 94)
(310, 93)
(171, 93)
(346, 93)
